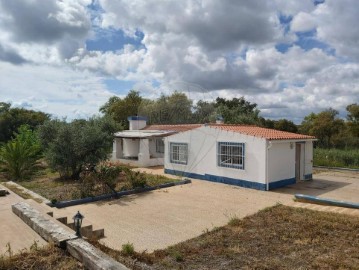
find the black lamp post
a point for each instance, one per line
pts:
(78, 222)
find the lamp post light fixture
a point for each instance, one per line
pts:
(78, 222)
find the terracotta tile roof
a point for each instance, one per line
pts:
(267, 133)
(174, 128)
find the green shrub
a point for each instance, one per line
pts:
(336, 158)
(19, 157)
(136, 179)
(177, 255)
(128, 249)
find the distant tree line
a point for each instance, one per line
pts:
(27, 136)
(177, 108)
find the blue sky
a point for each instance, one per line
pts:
(290, 57)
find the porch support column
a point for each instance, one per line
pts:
(117, 152)
(144, 152)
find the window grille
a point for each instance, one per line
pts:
(230, 155)
(178, 153)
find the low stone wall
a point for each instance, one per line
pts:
(47, 229)
(90, 256)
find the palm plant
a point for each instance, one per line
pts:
(19, 157)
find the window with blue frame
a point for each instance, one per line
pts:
(178, 153)
(230, 155)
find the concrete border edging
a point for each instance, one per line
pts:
(325, 201)
(119, 194)
(91, 257)
(30, 192)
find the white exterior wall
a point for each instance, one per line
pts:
(202, 154)
(281, 160)
(131, 147)
(308, 162)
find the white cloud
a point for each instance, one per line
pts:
(303, 22)
(337, 22)
(214, 48)
(59, 91)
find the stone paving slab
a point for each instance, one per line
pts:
(13, 229)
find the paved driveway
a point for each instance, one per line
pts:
(165, 217)
(13, 230)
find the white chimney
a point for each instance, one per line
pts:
(137, 122)
(219, 120)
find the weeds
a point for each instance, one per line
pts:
(128, 249)
(22, 193)
(234, 220)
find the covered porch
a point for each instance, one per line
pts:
(141, 148)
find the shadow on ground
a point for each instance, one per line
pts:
(314, 187)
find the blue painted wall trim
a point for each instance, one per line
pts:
(137, 118)
(282, 183)
(308, 177)
(232, 181)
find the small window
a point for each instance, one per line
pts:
(160, 146)
(230, 155)
(178, 153)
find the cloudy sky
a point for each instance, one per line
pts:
(67, 57)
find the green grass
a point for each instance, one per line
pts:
(336, 158)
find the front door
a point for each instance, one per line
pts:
(297, 161)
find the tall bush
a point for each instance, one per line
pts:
(70, 146)
(19, 157)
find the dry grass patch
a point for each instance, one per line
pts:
(279, 237)
(46, 258)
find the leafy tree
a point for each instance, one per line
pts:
(324, 126)
(204, 112)
(237, 111)
(19, 157)
(172, 109)
(70, 146)
(12, 118)
(120, 109)
(353, 119)
(285, 125)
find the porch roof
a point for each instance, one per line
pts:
(142, 134)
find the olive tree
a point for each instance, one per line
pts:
(70, 146)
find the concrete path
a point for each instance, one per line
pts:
(13, 229)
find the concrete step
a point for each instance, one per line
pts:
(65, 217)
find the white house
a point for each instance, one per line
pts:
(247, 156)
(143, 145)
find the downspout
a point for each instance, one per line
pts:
(268, 146)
